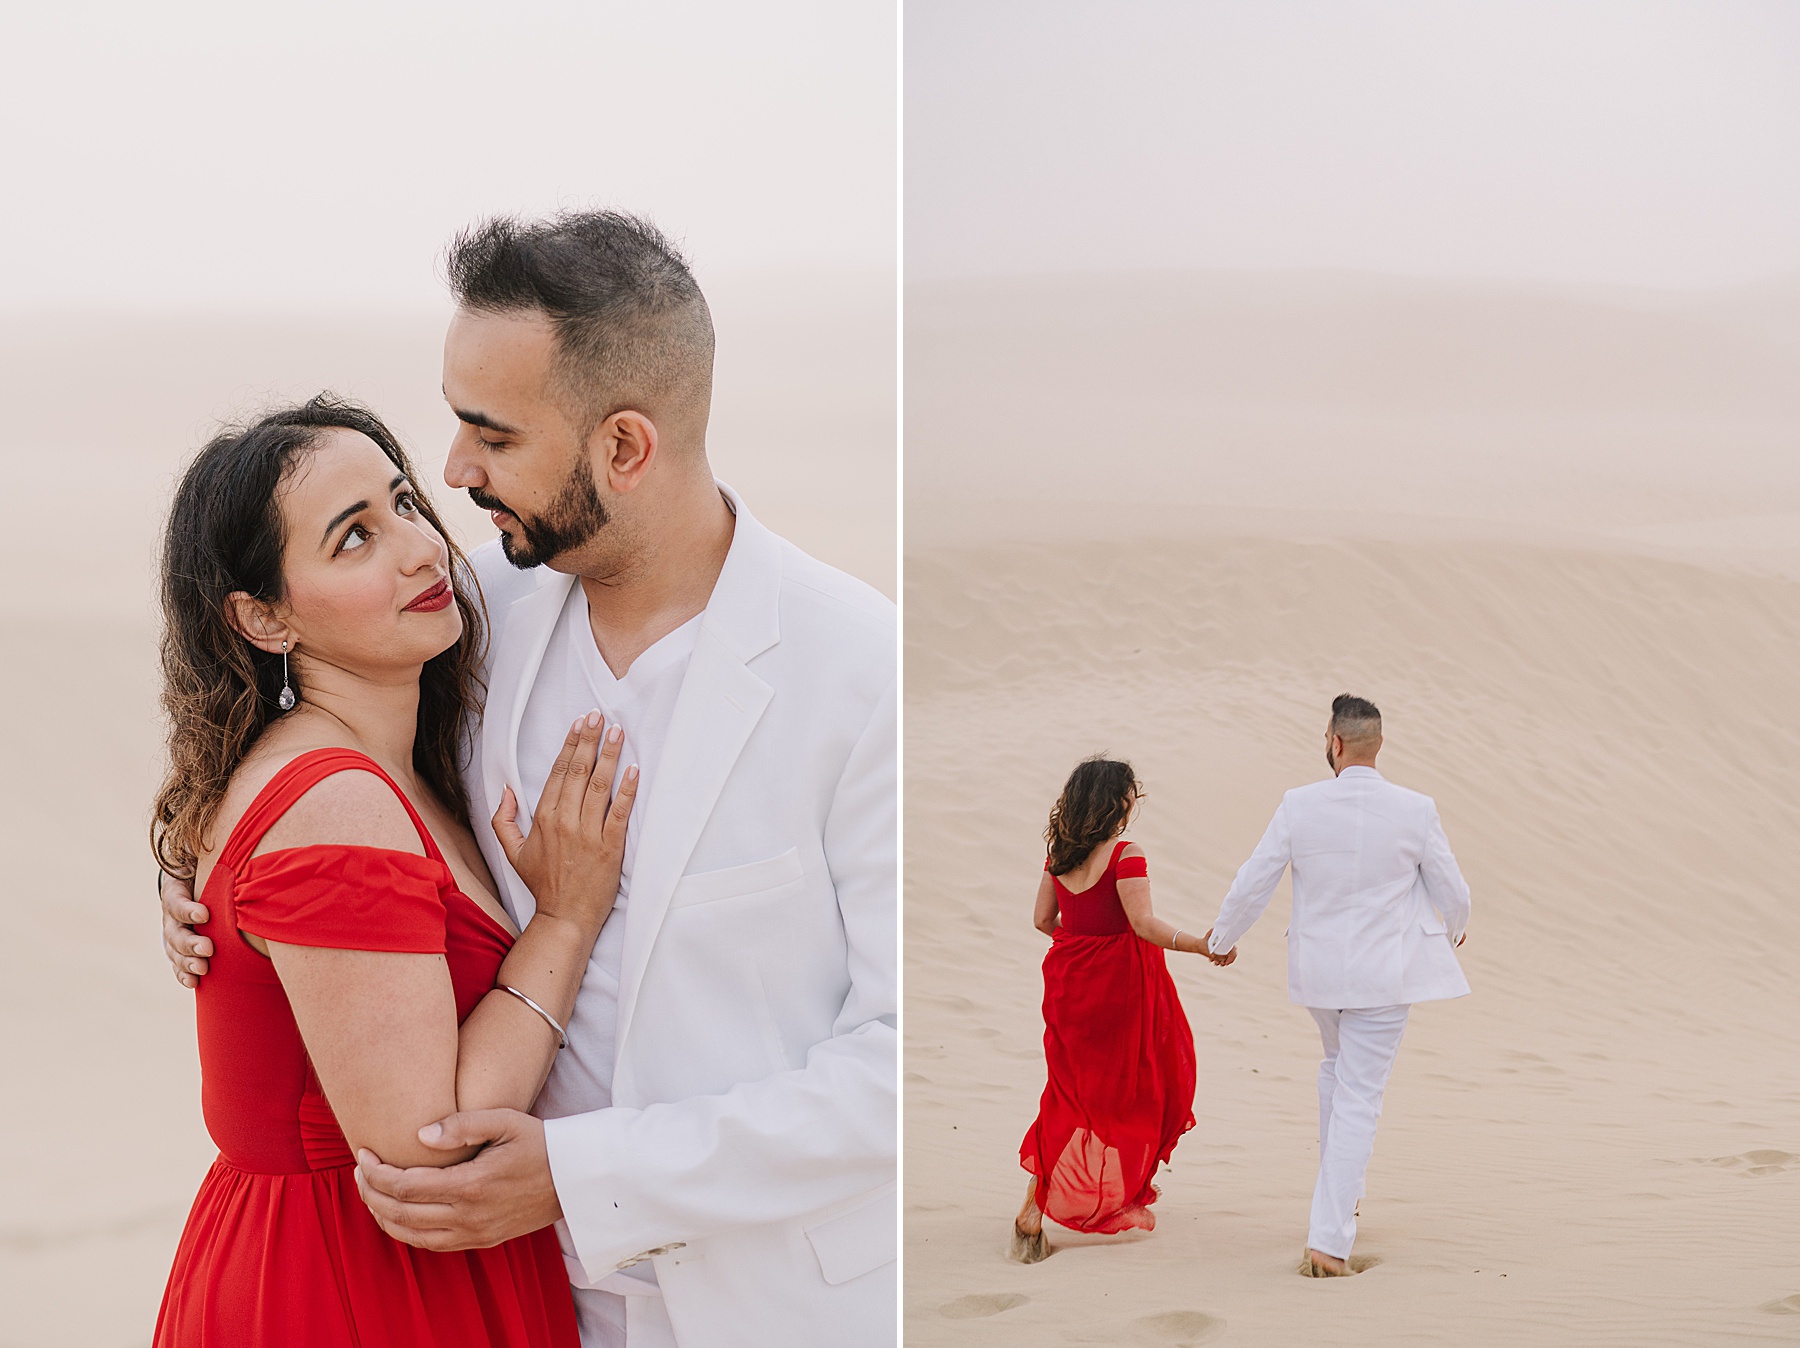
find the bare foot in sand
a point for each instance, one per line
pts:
(1028, 1243)
(1316, 1265)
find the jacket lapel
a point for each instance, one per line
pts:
(720, 703)
(511, 672)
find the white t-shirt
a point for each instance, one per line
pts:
(572, 681)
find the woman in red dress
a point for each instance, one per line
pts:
(320, 654)
(1116, 1041)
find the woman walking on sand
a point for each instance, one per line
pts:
(1116, 1041)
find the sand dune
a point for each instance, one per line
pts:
(103, 1129)
(1662, 423)
(1599, 1146)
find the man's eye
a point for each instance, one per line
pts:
(354, 537)
(490, 444)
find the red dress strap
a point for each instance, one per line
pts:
(341, 895)
(294, 780)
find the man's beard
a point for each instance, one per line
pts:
(575, 516)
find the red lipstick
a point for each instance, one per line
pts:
(435, 600)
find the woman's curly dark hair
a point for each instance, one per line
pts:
(226, 533)
(1093, 808)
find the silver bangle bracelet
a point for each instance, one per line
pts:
(1175, 941)
(562, 1039)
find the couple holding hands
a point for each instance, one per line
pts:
(1379, 908)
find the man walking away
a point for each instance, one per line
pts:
(1379, 910)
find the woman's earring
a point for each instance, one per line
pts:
(286, 700)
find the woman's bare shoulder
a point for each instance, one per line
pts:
(1131, 849)
(348, 808)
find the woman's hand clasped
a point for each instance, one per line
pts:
(571, 859)
(1224, 961)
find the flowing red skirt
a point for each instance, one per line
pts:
(1121, 1082)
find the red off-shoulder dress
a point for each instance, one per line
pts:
(279, 1252)
(1121, 1063)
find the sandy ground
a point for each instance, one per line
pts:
(1602, 1144)
(102, 1129)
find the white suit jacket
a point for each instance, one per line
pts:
(751, 1147)
(1379, 903)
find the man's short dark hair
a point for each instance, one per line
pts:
(1355, 720)
(632, 328)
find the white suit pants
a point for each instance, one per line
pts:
(1360, 1047)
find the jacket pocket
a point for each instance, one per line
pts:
(737, 881)
(859, 1241)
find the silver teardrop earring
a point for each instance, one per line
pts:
(286, 700)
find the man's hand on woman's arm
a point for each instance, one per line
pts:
(187, 953)
(503, 1192)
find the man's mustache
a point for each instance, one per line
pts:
(486, 502)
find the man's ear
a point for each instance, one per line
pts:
(624, 446)
(252, 620)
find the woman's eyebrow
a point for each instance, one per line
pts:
(353, 509)
(339, 518)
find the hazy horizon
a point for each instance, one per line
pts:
(1600, 289)
(1653, 143)
(206, 154)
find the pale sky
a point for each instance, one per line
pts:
(207, 154)
(1639, 142)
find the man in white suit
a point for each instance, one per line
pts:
(717, 1141)
(1379, 909)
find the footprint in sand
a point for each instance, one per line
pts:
(981, 1305)
(1770, 1162)
(1785, 1306)
(1178, 1327)
(1362, 1263)
(1762, 1162)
